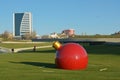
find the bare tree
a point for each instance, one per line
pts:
(7, 35)
(28, 36)
(33, 34)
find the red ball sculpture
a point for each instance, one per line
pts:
(71, 56)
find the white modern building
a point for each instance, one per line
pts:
(22, 24)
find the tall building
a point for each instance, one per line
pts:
(22, 24)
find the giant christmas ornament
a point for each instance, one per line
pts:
(71, 56)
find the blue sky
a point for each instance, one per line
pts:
(85, 16)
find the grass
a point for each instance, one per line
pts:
(103, 49)
(40, 65)
(23, 45)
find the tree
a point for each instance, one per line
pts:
(28, 36)
(7, 35)
(33, 34)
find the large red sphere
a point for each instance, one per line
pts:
(71, 56)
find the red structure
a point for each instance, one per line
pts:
(71, 56)
(69, 32)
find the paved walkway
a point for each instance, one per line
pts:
(6, 50)
(21, 49)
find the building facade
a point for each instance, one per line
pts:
(22, 24)
(69, 32)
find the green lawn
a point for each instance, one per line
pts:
(103, 65)
(23, 45)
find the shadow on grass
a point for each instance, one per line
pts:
(39, 64)
(91, 49)
(37, 51)
(103, 49)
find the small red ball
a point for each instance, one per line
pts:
(71, 56)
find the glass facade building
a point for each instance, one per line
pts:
(22, 24)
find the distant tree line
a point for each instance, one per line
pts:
(6, 35)
(114, 35)
(29, 36)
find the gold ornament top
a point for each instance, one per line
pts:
(57, 45)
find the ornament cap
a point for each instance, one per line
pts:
(57, 45)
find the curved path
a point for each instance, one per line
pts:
(4, 50)
(21, 49)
